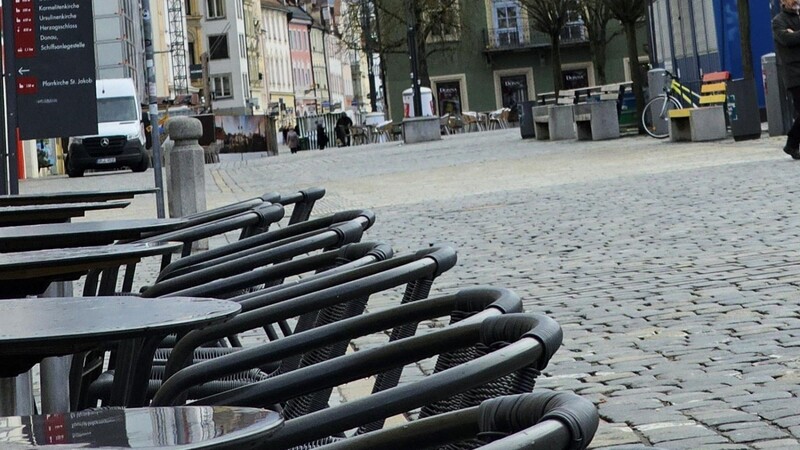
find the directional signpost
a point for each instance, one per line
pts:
(55, 68)
(49, 75)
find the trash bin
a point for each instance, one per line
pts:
(743, 110)
(304, 144)
(656, 79)
(780, 110)
(526, 128)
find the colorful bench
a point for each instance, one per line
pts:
(707, 121)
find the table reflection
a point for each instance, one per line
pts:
(134, 428)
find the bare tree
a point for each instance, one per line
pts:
(438, 29)
(630, 13)
(596, 17)
(550, 17)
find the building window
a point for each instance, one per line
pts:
(221, 86)
(242, 47)
(507, 23)
(215, 9)
(218, 46)
(445, 17)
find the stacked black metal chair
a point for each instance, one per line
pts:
(543, 420)
(305, 287)
(267, 256)
(519, 341)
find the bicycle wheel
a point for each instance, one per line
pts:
(655, 117)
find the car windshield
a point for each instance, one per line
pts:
(117, 109)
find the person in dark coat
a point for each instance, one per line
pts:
(322, 138)
(343, 129)
(292, 140)
(786, 33)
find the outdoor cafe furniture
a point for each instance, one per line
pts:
(51, 213)
(72, 197)
(37, 328)
(310, 346)
(243, 266)
(471, 121)
(31, 272)
(515, 345)
(258, 256)
(79, 234)
(252, 243)
(179, 428)
(499, 119)
(350, 259)
(322, 299)
(543, 420)
(302, 202)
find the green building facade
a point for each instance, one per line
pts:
(497, 60)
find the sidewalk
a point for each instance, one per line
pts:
(672, 268)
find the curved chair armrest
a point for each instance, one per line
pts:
(334, 237)
(490, 300)
(328, 291)
(527, 421)
(397, 400)
(366, 218)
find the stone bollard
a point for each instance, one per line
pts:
(186, 187)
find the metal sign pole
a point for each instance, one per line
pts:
(147, 28)
(10, 100)
(4, 188)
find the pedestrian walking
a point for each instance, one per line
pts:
(322, 138)
(343, 129)
(292, 140)
(786, 33)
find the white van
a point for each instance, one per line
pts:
(120, 139)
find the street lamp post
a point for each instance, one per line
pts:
(366, 12)
(412, 53)
(147, 28)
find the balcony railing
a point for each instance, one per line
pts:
(510, 39)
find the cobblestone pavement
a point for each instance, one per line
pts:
(672, 268)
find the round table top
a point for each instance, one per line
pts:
(30, 273)
(55, 261)
(35, 328)
(51, 213)
(79, 234)
(176, 428)
(72, 197)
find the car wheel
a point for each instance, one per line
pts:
(142, 166)
(73, 172)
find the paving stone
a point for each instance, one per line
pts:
(762, 432)
(673, 263)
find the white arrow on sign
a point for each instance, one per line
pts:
(23, 71)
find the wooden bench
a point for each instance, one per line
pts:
(707, 121)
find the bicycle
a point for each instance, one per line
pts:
(655, 116)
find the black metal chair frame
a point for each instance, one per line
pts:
(528, 340)
(259, 242)
(543, 420)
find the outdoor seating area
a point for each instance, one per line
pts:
(591, 113)
(470, 121)
(247, 344)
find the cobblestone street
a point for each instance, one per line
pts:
(672, 268)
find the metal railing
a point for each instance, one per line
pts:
(510, 39)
